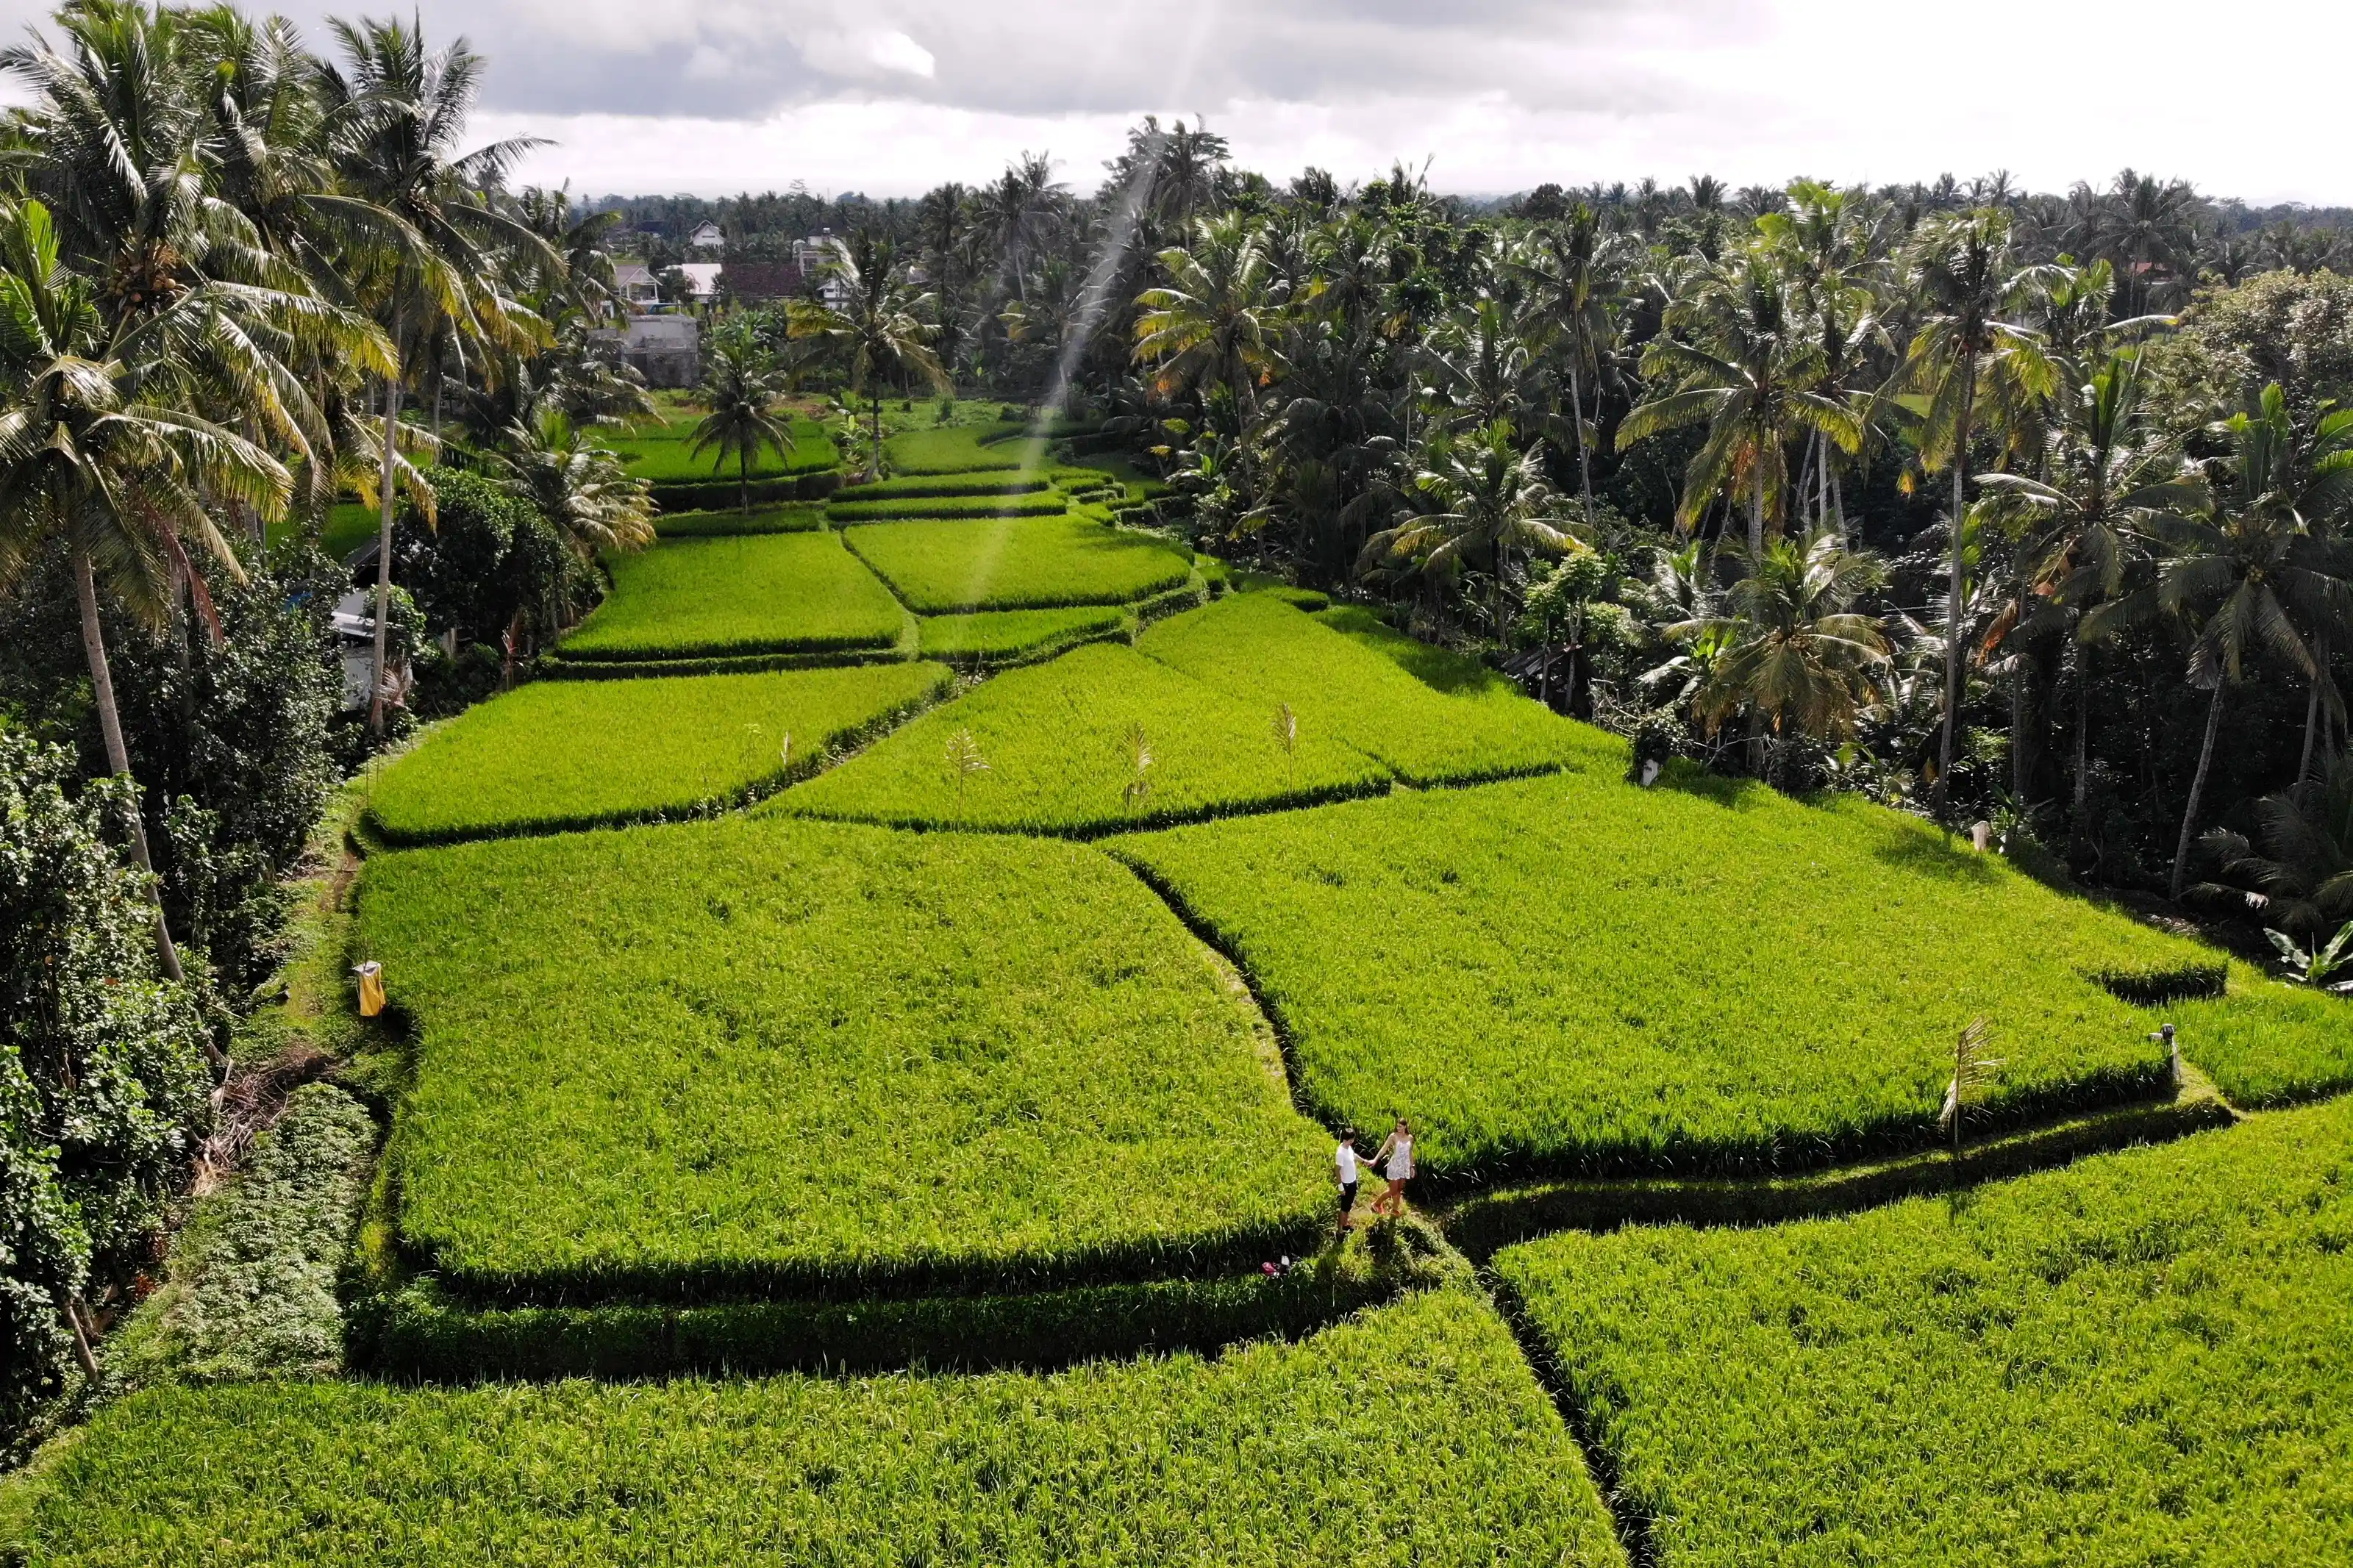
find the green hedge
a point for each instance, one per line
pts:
(554, 667)
(2139, 1359)
(794, 593)
(788, 517)
(1016, 563)
(1414, 1433)
(1042, 504)
(1057, 742)
(714, 495)
(1578, 975)
(752, 1056)
(1431, 716)
(559, 755)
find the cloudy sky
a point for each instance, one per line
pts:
(890, 97)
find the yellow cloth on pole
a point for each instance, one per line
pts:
(371, 989)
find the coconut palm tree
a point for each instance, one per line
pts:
(1485, 498)
(430, 270)
(879, 331)
(1742, 362)
(1794, 649)
(2301, 879)
(1217, 319)
(740, 387)
(576, 485)
(2108, 481)
(2233, 572)
(1574, 275)
(1484, 369)
(1962, 271)
(98, 452)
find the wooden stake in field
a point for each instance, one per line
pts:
(1971, 1069)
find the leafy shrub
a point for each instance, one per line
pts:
(1432, 717)
(1013, 634)
(954, 449)
(1016, 563)
(785, 517)
(1575, 973)
(1040, 503)
(103, 1074)
(487, 558)
(2133, 1359)
(771, 594)
(251, 1290)
(813, 1056)
(1059, 743)
(1416, 1427)
(566, 754)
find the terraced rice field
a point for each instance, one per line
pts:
(565, 755)
(945, 567)
(791, 593)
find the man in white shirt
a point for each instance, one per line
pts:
(1344, 1168)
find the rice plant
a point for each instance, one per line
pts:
(762, 593)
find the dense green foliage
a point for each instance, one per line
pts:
(489, 562)
(1579, 973)
(813, 1055)
(1035, 503)
(1429, 716)
(926, 487)
(2131, 1361)
(763, 593)
(958, 449)
(252, 1290)
(786, 516)
(664, 452)
(1415, 1435)
(1013, 634)
(562, 754)
(102, 1066)
(1017, 563)
(1057, 748)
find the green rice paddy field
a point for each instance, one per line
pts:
(1012, 1029)
(560, 754)
(790, 593)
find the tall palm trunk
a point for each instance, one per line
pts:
(383, 537)
(118, 756)
(1757, 513)
(1953, 593)
(743, 480)
(2312, 707)
(2198, 786)
(1584, 458)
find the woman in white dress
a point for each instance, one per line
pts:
(1394, 1161)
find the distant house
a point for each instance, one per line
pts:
(666, 350)
(633, 282)
(816, 257)
(701, 280)
(758, 282)
(707, 238)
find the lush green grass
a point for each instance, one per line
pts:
(663, 451)
(577, 754)
(1433, 717)
(754, 1055)
(2138, 1360)
(2267, 1043)
(774, 593)
(1017, 563)
(1038, 503)
(779, 517)
(1574, 973)
(1059, 743)
(1413, 1436)
(1011, 634)
(932, 486)
(955, 449)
